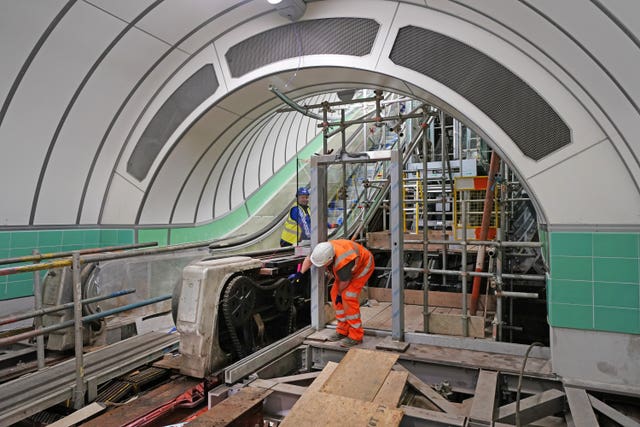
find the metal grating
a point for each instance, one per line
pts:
(511, 103)
(331, 36)
(201, 85)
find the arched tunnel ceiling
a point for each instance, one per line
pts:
(81, 81)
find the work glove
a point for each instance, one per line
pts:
(339, 299)
(295, 277)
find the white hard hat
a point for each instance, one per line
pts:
(322, 254)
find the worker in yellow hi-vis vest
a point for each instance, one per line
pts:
(297, 227)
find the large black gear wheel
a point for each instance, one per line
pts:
(282, 295)
(239, 300)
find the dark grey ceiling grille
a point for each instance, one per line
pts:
(332, 36)
(201, 85)
(518, 109)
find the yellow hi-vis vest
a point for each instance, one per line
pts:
(292, 231)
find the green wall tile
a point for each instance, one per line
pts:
(153, 235)
(615, 270)
(617, 294)
(615, 245)
(16, 252)
(49, 249)
(617, 320)
(108, 237)
(49, 238)
(126, 237)
(24, 239)
(72, 237)
(571, 316)
(92, 238)
(17, 289)
(571, 291)
(571, 244)
(5, 239)
(573, 268)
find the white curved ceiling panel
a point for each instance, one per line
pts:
(587, 188)
(241, 11)
(122, 202)
(22, 24)
(119, 131)
(126, 10)
(284, 140)
(225, 184)
(255, 141)
(196, 187)
(90, 117)
(623, 12)
(43, 96)
(171, 20)
(161, 197)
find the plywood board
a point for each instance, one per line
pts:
(391, 391)
(360, 374)
(436, 298)
(451, 324)
(325, 409)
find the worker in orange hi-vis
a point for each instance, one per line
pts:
(351, 265)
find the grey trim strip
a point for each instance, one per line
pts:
(27, 63)
(614, 228)
(131, 93)
(617, 21)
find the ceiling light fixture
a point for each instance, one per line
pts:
(274, 1)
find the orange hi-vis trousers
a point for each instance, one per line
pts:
(348, 312)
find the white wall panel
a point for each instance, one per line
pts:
(173, 19)
(291, 119)
(122, 202)
(126, 10)
(21, 25)
(118, 134)
(592, 187)
(163, 194)
(216, 189)
(188, 202)
(45, 91)
(88, 121)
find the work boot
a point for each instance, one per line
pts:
(335, 337)
(349, 342)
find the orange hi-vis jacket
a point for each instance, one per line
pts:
(345, 252)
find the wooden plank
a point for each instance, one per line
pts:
(371, 312)
(428, 417)
(391, 391)
(169, 361)
(80, 415)
(484, 399)
(326, 409)
(436, 298)
(298, 377)
(380, 321)
(611, 413)
(451, 324)
(360, 374)
(242, 404)
(425, 389)
(580, 406)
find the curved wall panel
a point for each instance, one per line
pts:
(518, 109)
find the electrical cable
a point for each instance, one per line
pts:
(524, 363)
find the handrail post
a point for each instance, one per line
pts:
(37, 321)
(78, 401)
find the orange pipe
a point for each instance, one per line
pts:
(484, 230)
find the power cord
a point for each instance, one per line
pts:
(524, 363)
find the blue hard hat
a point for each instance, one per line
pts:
(302, 191)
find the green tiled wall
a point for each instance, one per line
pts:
(595, 281)
(21, 243)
